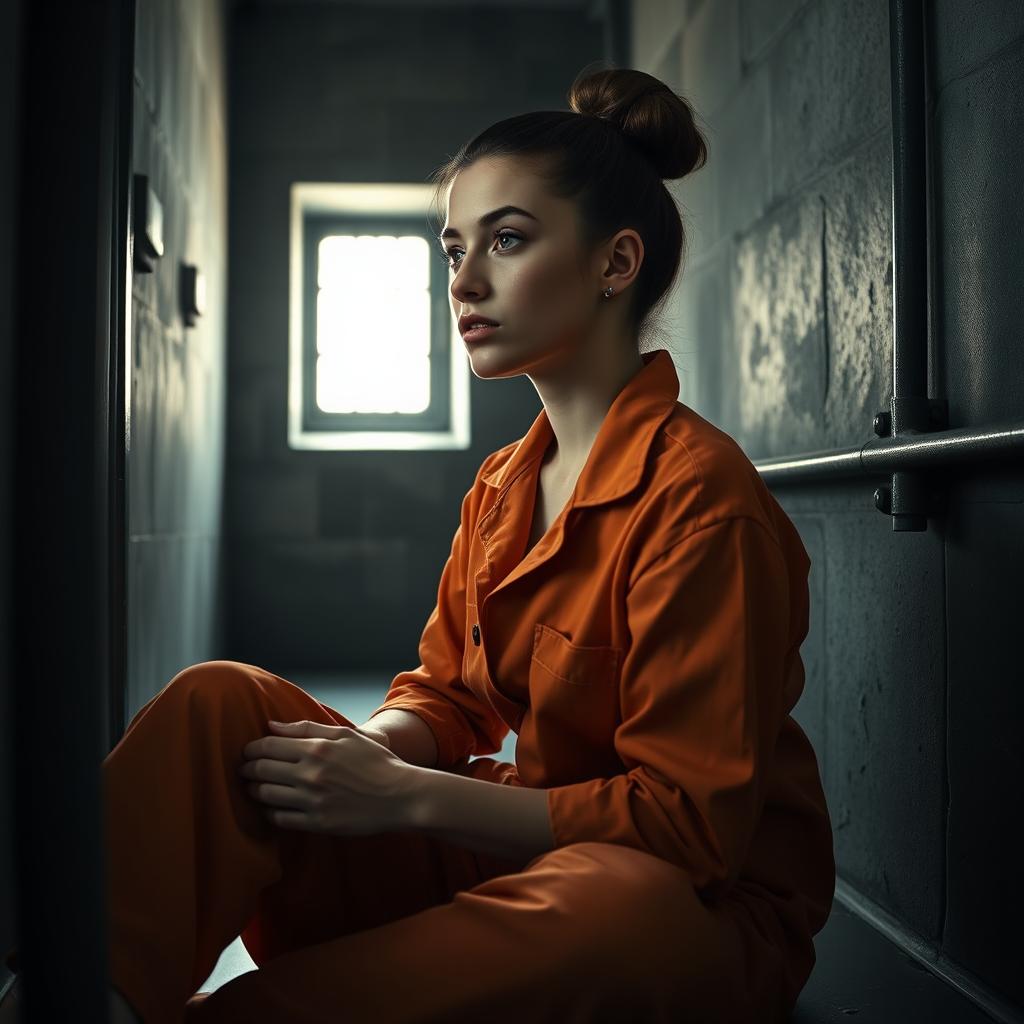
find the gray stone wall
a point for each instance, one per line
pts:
(783, 334)
(176, 454)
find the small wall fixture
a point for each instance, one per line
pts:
(193, 293)
(148, 225)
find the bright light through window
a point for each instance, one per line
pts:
(373, 324)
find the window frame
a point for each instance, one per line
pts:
(321, 209)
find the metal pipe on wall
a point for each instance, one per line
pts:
(912, 412)
(908, 452)
(909, 208)
(913, 433)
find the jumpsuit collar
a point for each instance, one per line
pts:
(619, 451)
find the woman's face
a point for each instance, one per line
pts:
(524, 270)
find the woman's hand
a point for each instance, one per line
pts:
(328, 778)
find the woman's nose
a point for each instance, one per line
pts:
(467, 288)
(469, 283)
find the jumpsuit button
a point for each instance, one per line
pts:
(476, 634)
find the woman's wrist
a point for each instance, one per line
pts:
(408, 735)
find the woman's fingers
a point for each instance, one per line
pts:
(307, 729)
(265, 769)
(280, 796)
(281, 748)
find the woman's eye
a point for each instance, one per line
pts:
(449, 255)
(506, 235)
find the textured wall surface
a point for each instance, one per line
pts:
(175, 462)
(335, 557)
(978, 124)
(783, 329)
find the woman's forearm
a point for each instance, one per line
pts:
(501, 820)
(404, 733)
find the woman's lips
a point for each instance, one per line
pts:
(480, 332)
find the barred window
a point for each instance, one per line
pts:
(376, 360)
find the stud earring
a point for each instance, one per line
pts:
(608, 292)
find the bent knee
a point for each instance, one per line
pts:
(213, 678)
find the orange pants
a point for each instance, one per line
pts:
(395, 927)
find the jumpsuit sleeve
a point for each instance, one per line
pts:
(701, 694)
(462, 723)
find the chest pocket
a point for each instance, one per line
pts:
(574, 702)
(574, 664)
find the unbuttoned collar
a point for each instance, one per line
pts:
(619, 452)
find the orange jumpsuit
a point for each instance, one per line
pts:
(646, 652)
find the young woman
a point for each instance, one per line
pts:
(623, 591)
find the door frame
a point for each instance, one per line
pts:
(72, 317)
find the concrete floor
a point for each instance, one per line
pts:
(859, 974)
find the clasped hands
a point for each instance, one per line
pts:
(330, 779)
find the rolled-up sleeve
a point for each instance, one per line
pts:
(701, 694)
(461, 723)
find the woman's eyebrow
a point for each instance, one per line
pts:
(487, 218)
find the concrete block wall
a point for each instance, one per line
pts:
(176, 453)
(335, 557)
(782, 326)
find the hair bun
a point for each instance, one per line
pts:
(657, 121)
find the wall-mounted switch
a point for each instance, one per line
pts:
(148, 227)
(193, 293)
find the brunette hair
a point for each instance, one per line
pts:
(624, 133)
